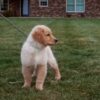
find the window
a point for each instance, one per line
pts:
(75, 5)
(3, 5)
(43, 3)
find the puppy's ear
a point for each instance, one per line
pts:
(38, 35)
(39, 30)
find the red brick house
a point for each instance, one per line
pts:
(51, 8)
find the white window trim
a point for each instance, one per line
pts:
(75, 8)
(42, 5)
(7, 8)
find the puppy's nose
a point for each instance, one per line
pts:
(56, 40)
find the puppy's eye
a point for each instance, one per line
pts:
(48, 35)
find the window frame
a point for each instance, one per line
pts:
(75, 11)
(42, 5)
(7, 7)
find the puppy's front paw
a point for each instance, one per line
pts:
(26, 86)
(39, 87)
(58, 77)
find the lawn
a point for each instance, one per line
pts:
(77, 53)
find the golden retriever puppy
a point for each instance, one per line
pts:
(36, 54)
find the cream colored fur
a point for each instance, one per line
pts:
(35, 56)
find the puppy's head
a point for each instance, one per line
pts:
(43, 35)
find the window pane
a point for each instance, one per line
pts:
(71, 5)
(70, 2)
(1, 1)
(79, 8)
(70, 8)
(75, 5)
(80, 5)
(79, 1)
(4, 4)
(43, 2)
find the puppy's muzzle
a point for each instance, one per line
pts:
(56, 40)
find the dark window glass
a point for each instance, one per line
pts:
(3, 4)
(43, 2)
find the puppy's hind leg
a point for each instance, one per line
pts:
(27, 74)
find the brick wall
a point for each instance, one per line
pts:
(92, 8)
(57, 8)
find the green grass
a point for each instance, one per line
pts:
(78, 55)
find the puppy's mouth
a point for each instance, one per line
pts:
(55, 41)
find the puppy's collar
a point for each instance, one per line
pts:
(36, 45)
(32, 42)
